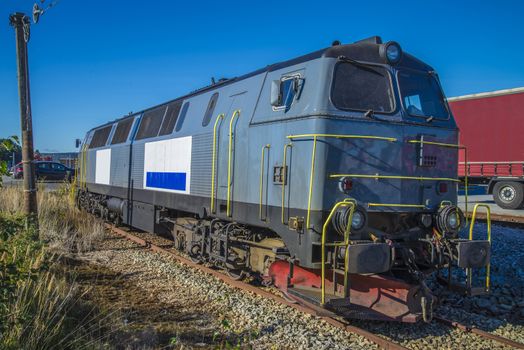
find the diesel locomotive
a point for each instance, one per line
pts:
(332, 176)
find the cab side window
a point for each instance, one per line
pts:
(210, 109)
(285, 91)
(182, 117)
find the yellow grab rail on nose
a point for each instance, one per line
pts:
(311, 177)
(236, 113)
(442, 144)
(488, 222)
(348, 202)
(396, 205)
(313, 155)
(262, 179)
(213, 168)
(284, 181)
(337, 136)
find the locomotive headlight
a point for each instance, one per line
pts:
(453, 220)
(450, 220)
(341, 219)
(358, 220)
(391, 51)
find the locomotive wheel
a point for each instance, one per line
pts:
(235, 274)
(509, 194)
(195, 254)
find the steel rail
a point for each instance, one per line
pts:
(479, 332)
(304, 307)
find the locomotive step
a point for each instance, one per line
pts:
(342, 306)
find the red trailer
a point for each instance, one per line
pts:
(492, 129)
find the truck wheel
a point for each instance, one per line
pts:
(509, 194)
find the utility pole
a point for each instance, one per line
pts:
(21, 23)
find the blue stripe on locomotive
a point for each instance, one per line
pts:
(169, 181)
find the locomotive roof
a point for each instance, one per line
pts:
(366, 50)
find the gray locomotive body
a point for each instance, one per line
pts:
(274, 151)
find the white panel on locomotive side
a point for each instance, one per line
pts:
(167, 165)
(103, 166)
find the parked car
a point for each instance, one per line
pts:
(45, 170)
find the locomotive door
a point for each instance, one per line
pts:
(230, 155)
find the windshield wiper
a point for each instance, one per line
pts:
(364, 65)
(370, 114)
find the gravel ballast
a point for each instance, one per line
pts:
(237, 317)
(227, 314)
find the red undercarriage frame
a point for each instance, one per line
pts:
(371, 296)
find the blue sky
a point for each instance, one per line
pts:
(93, 61)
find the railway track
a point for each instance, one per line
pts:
(304, 307)
(499, 218)
(479, 332)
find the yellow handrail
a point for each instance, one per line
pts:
(400, 177)
(236, 113)
(311, 176)
(345, 203)
(488, 222)
(444, 203)
(450, 145)
(284, 181)
(262, 178)
(213, 168)
(341, 136)
(82, 168)
(313, 155)
(80, 171)
(396, 205)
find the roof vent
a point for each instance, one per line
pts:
(336, 43)
(371, 40)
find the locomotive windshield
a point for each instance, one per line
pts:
(363, 88)
(421, 95)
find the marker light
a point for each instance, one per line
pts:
(391, 51)
(345, 184)
(442, 187)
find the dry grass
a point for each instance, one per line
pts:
(40, 306)
(66, 228)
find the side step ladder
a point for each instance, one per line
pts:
(467, 287)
